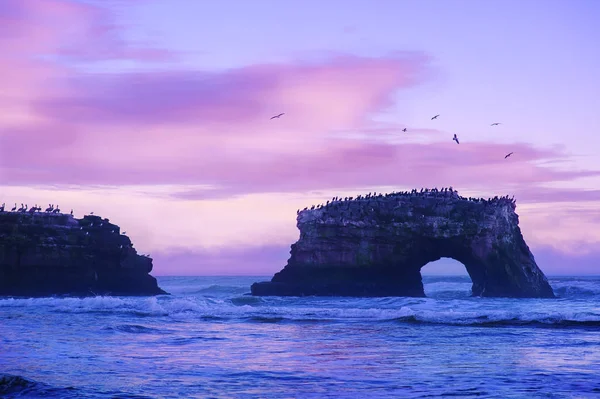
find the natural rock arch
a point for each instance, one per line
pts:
(376, 245)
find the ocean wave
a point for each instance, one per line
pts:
(448, 289)
(140, 306)
(278, 309)
(246, 300)
(512, 322)
(576, 291)
(457, 286)
(182, 341)
(550, 321)
(14, 386)
(449, 302)
(267, 319)
(211, 290)
(220, 289)
(135, 329)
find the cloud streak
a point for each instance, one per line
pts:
(349, 89)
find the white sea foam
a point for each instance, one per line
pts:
(225, 302)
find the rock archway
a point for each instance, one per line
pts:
(376, 245)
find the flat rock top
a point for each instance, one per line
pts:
(441, 211)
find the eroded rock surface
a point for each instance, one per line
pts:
(376, 245)
(44, 254)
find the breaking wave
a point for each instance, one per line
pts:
(439, 309)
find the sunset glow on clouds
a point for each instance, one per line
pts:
(187, 161)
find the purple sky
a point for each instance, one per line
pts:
(156, 115)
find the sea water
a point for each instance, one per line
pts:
(210, 339)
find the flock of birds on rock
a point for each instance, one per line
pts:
(425, 192)
(56, 210)
(34, 209)
(454, 138)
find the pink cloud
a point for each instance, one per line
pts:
(340, 92)
(341, 163)
(109, 120)
(67, 28)
(348, 164)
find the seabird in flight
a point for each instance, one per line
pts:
(435, 117)
(508, 155)
(495, 124)
(404, 130)
(278, 116)
(455, 138)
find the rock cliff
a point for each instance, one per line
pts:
(44, 254)
(376, 245)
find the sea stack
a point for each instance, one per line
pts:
(376, 245)
(46, 254)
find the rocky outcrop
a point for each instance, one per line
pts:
(44, 254)
(376, 245)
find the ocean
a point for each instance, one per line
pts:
(210, 339)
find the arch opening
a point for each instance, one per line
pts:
(446, 278)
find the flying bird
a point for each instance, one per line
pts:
(278, 116)
(508, 155)
(455, 138)
(435, 117)
(495, 124)
(404, 130)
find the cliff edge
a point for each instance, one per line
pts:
(43, 254)
(376, 245)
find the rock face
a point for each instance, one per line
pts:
(376, 245)
(44, 254)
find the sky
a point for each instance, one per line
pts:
(156, 115)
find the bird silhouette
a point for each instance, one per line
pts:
(435, 117)
(404, 130)
(495, 124)
(278, 116)
(455, 138)
(508, 155)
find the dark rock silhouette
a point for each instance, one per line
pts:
(376, 245)
(43, 254)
